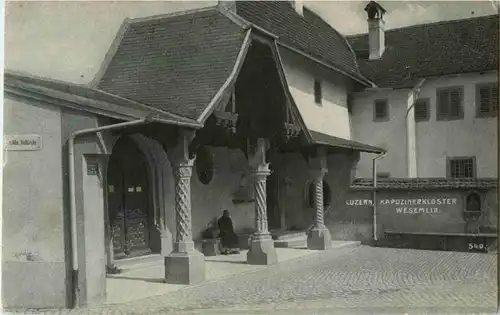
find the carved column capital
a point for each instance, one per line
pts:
(183, 169)
(261, 171)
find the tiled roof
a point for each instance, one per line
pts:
(308, 33)
(324, 139)
(86, 98)
(176, 63)
(426, 183)
(443, 48)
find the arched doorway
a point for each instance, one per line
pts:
(131, 214)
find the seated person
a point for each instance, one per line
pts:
(229, 239)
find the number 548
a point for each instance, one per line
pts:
(476, 246)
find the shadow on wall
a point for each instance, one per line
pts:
(346, 223)
(209, 199)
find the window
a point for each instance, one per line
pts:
(380, 110)
(462, 167)
(487, 100)
(318, 96)
(449, 104)
(422, 110)
(473, 202)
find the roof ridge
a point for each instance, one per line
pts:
(169, 15)
(335, 30)
(442, 22)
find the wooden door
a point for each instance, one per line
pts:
(128, 201)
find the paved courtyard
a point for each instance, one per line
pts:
(342, 281)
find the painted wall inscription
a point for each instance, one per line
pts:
(419, 205)
(408, 206)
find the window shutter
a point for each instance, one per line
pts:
(455, 104)
(442, 104)
(421, 110)
(494, 100)
(484, 100)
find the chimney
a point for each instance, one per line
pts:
(376, 29)
(229, 5)
(298, 5)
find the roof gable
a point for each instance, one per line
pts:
(443, 48)
(176, 63)
(308, 33)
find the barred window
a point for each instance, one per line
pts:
(380, 110)
(450, 104)
(487, 100)
(318, 95)
(461, 167)
(422, 110)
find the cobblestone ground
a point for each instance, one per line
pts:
(355, 281)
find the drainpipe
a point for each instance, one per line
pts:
(72, 188)
(375, 159)
(415, 92)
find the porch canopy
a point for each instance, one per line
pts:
(323, 139)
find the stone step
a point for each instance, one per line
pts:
(345, 244)
(284, 235)
(302, 243)
(138, 262)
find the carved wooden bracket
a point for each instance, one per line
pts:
(291, 131)
(226, 120)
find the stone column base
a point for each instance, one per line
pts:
(185, 268)
(262, 251)
(166, 245)
(319, 239)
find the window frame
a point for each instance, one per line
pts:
(427, 102)
(481, 202)
(490, 113)
(454, 158)
(386, 118)
(440, 117)
(318, 92)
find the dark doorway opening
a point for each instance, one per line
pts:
(129, 200)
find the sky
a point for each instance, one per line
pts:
(67, 40)
(349, 17)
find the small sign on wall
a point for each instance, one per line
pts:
(22, 142)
